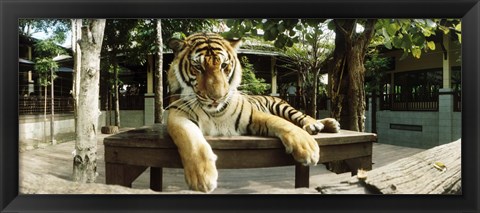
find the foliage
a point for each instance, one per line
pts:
(56, 27)
(250, 83)
(309, 55)
(281, 31)
(47, 49)
(414, 35)
(44, 64)
(44, 67)
(144, 35)
(410, 35)
(375, 66)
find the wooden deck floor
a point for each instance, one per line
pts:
(57, 161)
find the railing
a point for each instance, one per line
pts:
(132, 102)
(409, 102)
(297, 102)
(457, 101)
(34, 105)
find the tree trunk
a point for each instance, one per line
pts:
(315, 93)
(115, 93)
(85, 159)
(347, 74)
(158, 75)
(107, 106)
(76, 35)
(45, 115)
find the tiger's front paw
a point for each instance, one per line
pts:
(302, 146)
(201, 173)
(314, 127)
(323, 125)
(330, 125)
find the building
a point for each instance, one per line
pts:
(420, 105)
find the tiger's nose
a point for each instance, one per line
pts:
(217, 94)
(216, 91)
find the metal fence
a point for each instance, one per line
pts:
(297, 102)
(416, 102)
(132, 102)
(34, 105)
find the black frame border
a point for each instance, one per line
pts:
(12, 10)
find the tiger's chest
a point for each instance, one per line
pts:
(230, 122)
(217, 126)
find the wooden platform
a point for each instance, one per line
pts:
(56, 161)
(129, 154)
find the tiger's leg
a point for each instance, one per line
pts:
(297, 141)
(197, 156)
(281, 108)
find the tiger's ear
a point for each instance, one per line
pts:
(235, 43)
(176, 44)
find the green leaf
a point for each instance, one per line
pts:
(278, 44)
(421, 21)
(430, 23)
(458, 27)
(388, 44)
(404, 55)
(331, 25)
(274, 32)
(431, 45)
(445, 30)
(268, 36)
(391, 28)
(397, 41)
(292, 33)
(385, 34)
(289, 43)
(280, 27)
(427, 32)
(416, 52)
(418, 39)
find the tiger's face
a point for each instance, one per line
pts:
(208, 67)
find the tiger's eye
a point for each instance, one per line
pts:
(224, 65)
(198, 67)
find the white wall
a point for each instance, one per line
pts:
(31, 127)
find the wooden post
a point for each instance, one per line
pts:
(156, 178)
(274, 76)
(302, 176)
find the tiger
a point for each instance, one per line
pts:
(203, 80)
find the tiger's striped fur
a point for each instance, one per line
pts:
(203, 80)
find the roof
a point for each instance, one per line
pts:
(25, 61)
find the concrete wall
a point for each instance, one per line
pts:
(433, 128)
(427, 137)
(31, 127)
(128, 118)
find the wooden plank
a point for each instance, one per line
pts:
(344, 151)
(231, 159)
(143, 157)
(227, 159)
(416, 174)
(156, 136)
